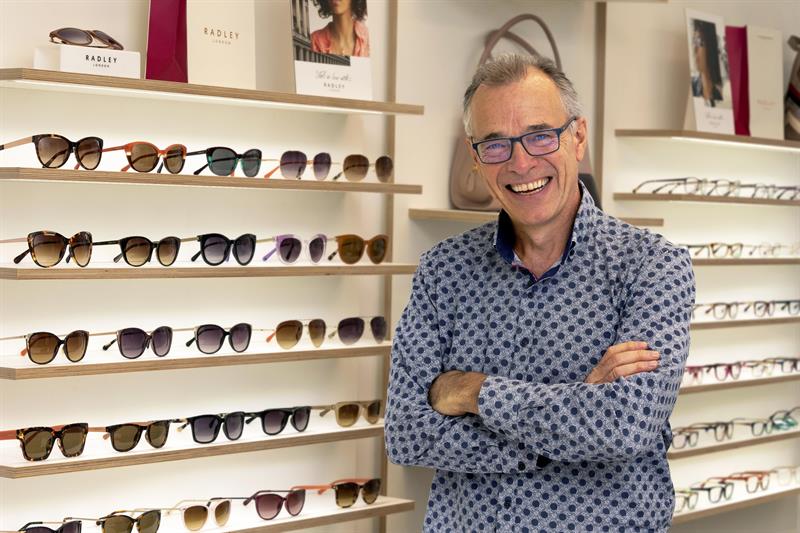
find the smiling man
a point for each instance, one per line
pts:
(540, 356)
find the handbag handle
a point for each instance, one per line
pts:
(503, 32)
(511, 36)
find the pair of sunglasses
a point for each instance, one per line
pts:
(78, 37)
(351, 248)
(137, 250)
(195, 513)
(54, 150)
(42, 347)
(347, 490)
(222, 161)
(273, 421)
(216, 248)
(293, 163)
(37, 442)
(270, 502)
(72, 526)
(125, 437)
(47, 248)
(144, 156)
(347, 413)
(350, 330)
(132, 342)
(147, 522)
(210, 337)
(205, 428)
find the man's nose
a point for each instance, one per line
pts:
(521, 162)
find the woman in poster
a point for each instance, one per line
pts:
(706, 56)
(346, 34)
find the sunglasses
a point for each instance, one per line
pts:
(139, 250)
(47, 248)
(355, 167)
(209, 337)
(288, 248)
(289, 332)
(74, 526)
(351, 248)
(292, 165)
(143, 156)
(216, 249)
(80, 37)
(147, 522)
(273, 421)
(37, 442)
(132, 342)
(222, 161)
(42, 347)
(347, 490)
(125, 437)
(347, 412)
(269, 503)
(350, 330)
(53, 150)
(195, 516)
(205, 428)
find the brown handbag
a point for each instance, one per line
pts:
(467, 188)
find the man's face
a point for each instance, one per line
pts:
(515, 109)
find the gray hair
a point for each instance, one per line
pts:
(508, 68)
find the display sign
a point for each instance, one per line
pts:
(88, 60)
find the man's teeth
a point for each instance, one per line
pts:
(527, 187)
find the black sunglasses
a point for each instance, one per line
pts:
(216, 248)
(222, 161)
(273, 421)
(209, 337)
(205, 428)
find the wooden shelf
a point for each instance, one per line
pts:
(26, 78)
(647, 197)
(382, 507)
(33, 371)
(757, 261)
(173, 272)
(732, 140)
(481, 217)
(706, 387)
(733, 506)
(189, 180)
(733, 445)
(722, 324)
(222, 446)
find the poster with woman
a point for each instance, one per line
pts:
(710, 105)
(330, 39)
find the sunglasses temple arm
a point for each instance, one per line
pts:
(8, 435)
(337, 176)
(271, 172)
(190, 341)
(331, 256)
(18, 142)
(195, 256)
(109, 345)
(270, 253)
(21, 256)
(199, 170)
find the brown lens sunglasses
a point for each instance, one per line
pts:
(78, 37)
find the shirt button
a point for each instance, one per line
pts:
(507, 503)
(521, 466)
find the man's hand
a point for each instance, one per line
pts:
(455, 393)
(623, 360)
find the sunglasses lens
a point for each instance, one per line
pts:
(175, 158)
(351, 248)
(71, 527)
(300, 418)
(251, 162)
(125, 437)
(48, 248)
(243, 248)
(118, 524)
(80, 246)
(161, 340)
(157, 433)
(37, 444)
(274, 421)
(316, 248)
(234, 425)
(73, 438)
(205, 428)
(75, 345)
(74, 36)
(52, 151)
(373, 412)
(322, 166)
(316, 330)
(136, 250)
(350, 330)
(268, 505)
(384, 168)
(221, 161)
(215, 248)
(143, 157)
(289, 249)
(132, 342)
(42, 347)
(355, 167)
(347, 414)
(295, 501)
(149, 522)
(288, 333)
(88, 151)
(240, 337)
(346, 494)
(209, 338)
(370, 490)
(293, 164)
(222, 512)
(377, 249)
(194, 517)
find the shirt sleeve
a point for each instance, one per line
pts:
(416, 435)
(572, 422)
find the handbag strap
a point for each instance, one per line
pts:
(511, 36)
(503, 32)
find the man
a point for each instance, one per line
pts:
(539, 357)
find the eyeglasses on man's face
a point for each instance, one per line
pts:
(535, 143)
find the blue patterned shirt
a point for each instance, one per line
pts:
(547, 452)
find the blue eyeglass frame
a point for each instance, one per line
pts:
(558, 132)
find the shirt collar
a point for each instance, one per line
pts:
(504, 237)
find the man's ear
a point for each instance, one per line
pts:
(581, 138)
(472, 153)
